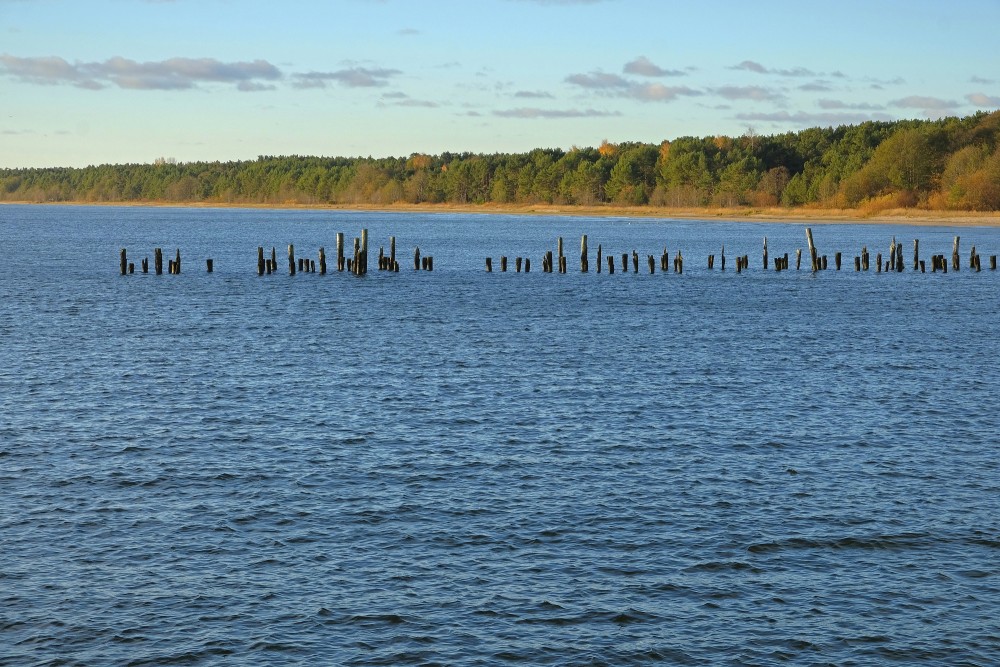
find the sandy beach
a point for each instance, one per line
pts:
(910, 216)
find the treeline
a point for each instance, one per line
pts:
(952, 163)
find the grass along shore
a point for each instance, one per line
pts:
(777, 214)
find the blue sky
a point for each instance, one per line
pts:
(111, 81)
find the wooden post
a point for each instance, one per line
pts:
(177, 262)
(260, 260)
(635, 262)
(322, 261)
(392, 250)
(711, 262)
(812, 250)
(993, 262)
(679, 262)
(836, 260)
(291, 259)
(652, 265)
(765, 253)
(824, 262)
(301, 269)
(899, 258)
(923, 268)
(972, 258)
(739, 265)
(123, 261)
(208, 264)
(954, 255)
(624, 262)
(274, 259)
(784, 262)
(489, 265)
(722, 258)
(798, 258)
(583, 254)
(611, 264)
(878, 262)
(364, 251)
(158, 261)
(665, 260)
(527, 265)
(857, 263)
(356, 259)
(559, 247)
(562, 264)
(503, 263)
(145, 264)
(916, 254)
(131, 267)
(416, 259)
(548, 261)
(341, 264)
(517, 264)
(598, 257)
(381, 258)
(892, 253)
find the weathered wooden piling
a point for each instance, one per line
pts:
(739, 265)
(559, 254)
(857, 263)
(584, 261)
(993, 262)
(274, 259)
(878, 262)
(131, 267)
(765, 253)
(812, 250)
(972, 258)
(301, 264)
(611, 265)
(489, 265)
(364, 251)
(624, 262)
(563, 264)
(416, 258)
(170, 267)
(836, 260)
(711, 262)
(381, 258)
(527, 265)
(916, 254)
(548, 262)
(892, 254)
(517, 264)
(635, 262)
(923, 268)
(322, 261)
(341, 263)
(260, 260)
(270, 267)
(652, 265)
(722, 258)
(954, 255)
(823, 263)
(599, 257)
(503, 263)
(291, 259)
(356, 257)
(678, 262)
(798, 258)
(123, 261)
(145, 264)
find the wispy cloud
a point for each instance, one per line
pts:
(752, 66)
(532, 113)
(979, 79)
(618, 86)
(352, 77)
(857, 106)
(752, 93)
(803, 118)
(930, 106)
(643, 66)
(533, 94)
(171, 74)
(983, 100)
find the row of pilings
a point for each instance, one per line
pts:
(357, 263)
(267, 264)
(893, 262)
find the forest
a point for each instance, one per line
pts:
(946, 164)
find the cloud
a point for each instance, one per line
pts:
(751, 66)
(816, 87)
(858, 106)
(531, 113)
(982, 100)
(171, 74)
(353, 77)
(618, 86)
(562, 2)
(979, 79)
(930, 106)
(804, 118)
(531, 94)
(752, 93)
(643, 66)
(408, 32)
(599, 81)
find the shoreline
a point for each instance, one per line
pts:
(915, 217)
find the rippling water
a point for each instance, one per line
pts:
(467, 468)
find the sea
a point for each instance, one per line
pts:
(456, 467)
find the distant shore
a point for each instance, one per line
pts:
(919, 217)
